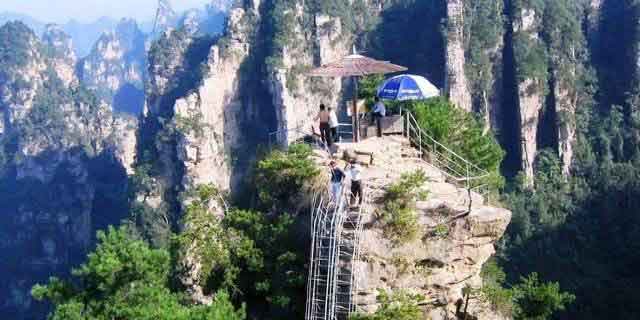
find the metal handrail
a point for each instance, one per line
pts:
(456, 168)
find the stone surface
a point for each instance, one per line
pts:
(62, 55)
(530, 98)
(439, 265)
(456, 83)
(116, 67)
(66, 172)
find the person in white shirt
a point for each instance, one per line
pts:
(379, 112)
(333, 124)
(354, 172)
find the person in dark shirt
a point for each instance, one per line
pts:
(337, 177)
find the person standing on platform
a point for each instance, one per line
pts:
(354, 172)
(379, 112)
(333, 124)
(337, 178)
(325, 130)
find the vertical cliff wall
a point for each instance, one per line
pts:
(456, 83)
(531, 80)
(295, 96)
(116, 67)
(64, 159)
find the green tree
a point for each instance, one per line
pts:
(279, 281)
(538, 301)
(125, 279)
(281, 175)
(462, 133)
(220, 252)
(250, 254)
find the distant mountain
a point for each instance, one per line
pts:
(36, 25)
(84, 35)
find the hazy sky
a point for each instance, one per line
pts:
(61, 11)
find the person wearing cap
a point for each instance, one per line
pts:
(354, 172)
(337, 178)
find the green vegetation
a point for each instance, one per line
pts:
(493, 291)
(484, 23)
(125, 279)
(219, 251)
(538, 301)
(16, 44)
(399, 215)
(461, 132)
(281, 172)
(580, 232)
(528, 300)
(397, 305)
(368, 90)
(247, 253)
(354, 16)
(190, 124)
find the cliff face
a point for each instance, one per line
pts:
(526, 24)
(456, 235)
(63, 58)
(116, 67)
(456, 83)
(296, 97)
(64, 157)
(438, 265)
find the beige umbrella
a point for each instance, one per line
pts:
(355, 65)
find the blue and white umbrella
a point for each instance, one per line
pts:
(407, 87)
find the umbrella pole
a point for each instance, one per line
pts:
(356, 116)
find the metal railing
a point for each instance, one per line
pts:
(300, 134)
(456, 168)
(335, 248)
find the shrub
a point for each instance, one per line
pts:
(125, 279)
(218, 250)
(530, 299)
(282, 175)
(441, 231)
(538, 301)
(459, 131)
(399, 215)
(500, 298)
(399, 305)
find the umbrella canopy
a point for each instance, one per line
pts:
(407, 87)
(355, 65)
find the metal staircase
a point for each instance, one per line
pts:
(335, 241)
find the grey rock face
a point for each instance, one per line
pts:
(530, 95)
(456, 84)
(116, 67)
(64, 170)
(60, 48)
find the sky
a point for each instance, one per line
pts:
(60, 11)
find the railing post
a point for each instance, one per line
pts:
(402, 120)
(420, 144)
